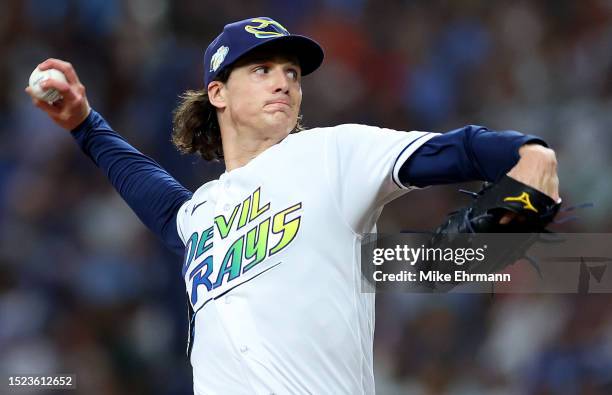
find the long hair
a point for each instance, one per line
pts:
(195, 127)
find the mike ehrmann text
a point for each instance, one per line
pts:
(437, 276)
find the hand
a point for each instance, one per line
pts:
(73, 108)
(537, 168)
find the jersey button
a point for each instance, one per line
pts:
(244, 349)
(228, 299)
(227, 184)
(226, 207)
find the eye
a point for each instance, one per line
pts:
(261, 70)
(293, 74)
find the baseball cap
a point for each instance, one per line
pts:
(239, 38)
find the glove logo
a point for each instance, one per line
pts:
(266, 28)
(522, 198)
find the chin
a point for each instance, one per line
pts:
(280, 127)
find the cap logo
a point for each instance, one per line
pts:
(266, 28)
(218, 58)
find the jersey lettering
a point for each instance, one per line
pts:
(247, 251)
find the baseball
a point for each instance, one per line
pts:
(38, 76)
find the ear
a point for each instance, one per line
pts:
(216, 94)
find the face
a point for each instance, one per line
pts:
(262, 95)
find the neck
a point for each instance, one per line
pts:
(240, 148)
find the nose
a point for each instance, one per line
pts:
(280, 80)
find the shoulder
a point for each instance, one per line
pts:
(338, 128)
(360, 134)
(204, 190)
(198, 196)
(330, 131)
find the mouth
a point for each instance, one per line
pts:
(278, 103)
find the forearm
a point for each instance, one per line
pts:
(467, 154)
(147, 188)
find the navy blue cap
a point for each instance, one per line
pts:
(239, 38)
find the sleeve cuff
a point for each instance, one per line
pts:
(89, 123)
(530, 139)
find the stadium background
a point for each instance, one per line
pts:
(84, 287)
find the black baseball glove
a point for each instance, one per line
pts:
(533, 211)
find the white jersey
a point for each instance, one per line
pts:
(272, 265)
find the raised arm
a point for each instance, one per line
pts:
(147, 188)
(477, 153)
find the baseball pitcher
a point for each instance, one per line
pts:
(271, 249)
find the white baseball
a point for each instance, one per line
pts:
(38, 76)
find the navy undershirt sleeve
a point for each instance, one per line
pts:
(467, 154)
(153, 194)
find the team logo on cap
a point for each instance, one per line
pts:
(218, 58)
(267, 28)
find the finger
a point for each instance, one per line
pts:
(62, 66)
(507, 218)
(62, 87)
(46, 107)
(43, 105)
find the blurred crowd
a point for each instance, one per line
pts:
(86, 289)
